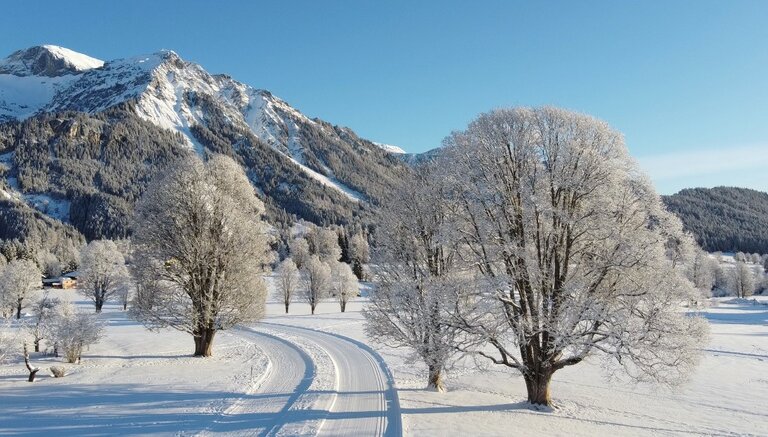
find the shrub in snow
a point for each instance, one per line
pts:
(72, 331)
(58, 371)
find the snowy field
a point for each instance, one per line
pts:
(300, 374)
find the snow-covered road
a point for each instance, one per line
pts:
(317, 383)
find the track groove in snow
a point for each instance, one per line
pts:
(366, 401)
(318, 383)
(261, 411)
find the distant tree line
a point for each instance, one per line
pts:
(724, 219)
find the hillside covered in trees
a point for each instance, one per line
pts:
(84, 152)
(724, 218)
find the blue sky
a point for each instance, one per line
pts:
(685, 81)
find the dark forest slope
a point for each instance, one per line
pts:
(724, 218)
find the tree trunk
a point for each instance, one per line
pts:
(312, 307)
(204, 342)
(32, 370)
(286, 307)
(343, 306)
(99, 303)
(538, 388)
(436, 379)
(18, 309)
(37, 345)
(125, 305)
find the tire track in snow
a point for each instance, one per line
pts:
(261, 410)
(366, 401)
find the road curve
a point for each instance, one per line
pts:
(366, 402)
(288, 376)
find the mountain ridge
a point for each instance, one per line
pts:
(62, 132)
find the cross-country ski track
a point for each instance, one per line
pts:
(316, 383)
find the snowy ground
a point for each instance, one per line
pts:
(282, 377)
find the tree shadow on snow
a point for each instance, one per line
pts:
(85, 410)
(749, 315)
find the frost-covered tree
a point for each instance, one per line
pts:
(742, 280)
(287, 275)
(8, 339)
(49, 264)
(359, 253)
(43, 311)
(344, 284)
(701, 271)
(102, 272)
(19, 279)
(572, 243)
(417, 275)
(73, 331)
(317, 278)
(124, 293)
(199, 245)
(299, 249)
(325, 244)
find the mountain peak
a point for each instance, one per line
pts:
(47, 60)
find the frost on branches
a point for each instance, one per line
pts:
(417, 281)
(576, 252)
(72, 331)
(344, 284)
(19, 279)
(317, 279)
(102, 272)
(198, 250)
(287, 275)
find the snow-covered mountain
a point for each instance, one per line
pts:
(391, 148)
(209, 111)
(47, 60)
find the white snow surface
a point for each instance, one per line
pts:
(22, 62)
(299, 374)
(390, 148)
(77, 60)
(23, 96)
